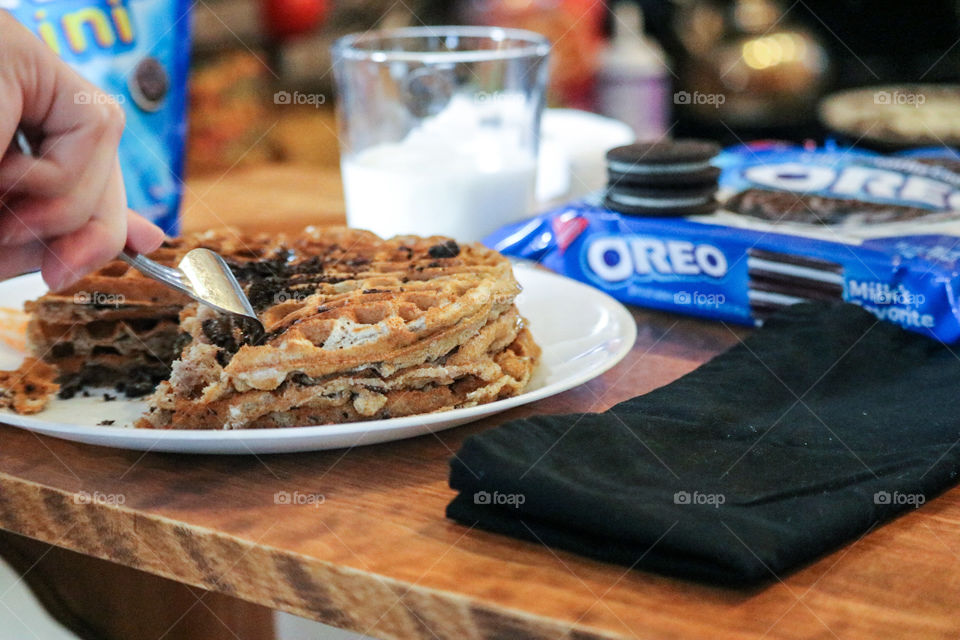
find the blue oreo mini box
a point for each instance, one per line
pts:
(796, 225)
(137, 52)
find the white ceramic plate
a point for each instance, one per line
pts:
(583, 332)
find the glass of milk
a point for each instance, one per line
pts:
(439, 128)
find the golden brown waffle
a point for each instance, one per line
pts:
(356, 328)
(362, 301)
(494, 363)
(351, 318)
(516, 361)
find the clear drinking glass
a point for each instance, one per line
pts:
(439, 127)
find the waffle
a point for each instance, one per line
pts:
(354, 328)
(116, 327)
(495, 363)
(352, 320)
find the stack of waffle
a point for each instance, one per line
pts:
(118, 328)
(355, 328)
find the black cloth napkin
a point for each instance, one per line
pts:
(816, 428)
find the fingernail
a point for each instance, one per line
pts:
(146, 237)
(160, 236)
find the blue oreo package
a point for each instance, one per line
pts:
(137, 52)
(796, 224)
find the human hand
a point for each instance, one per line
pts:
(63, 211)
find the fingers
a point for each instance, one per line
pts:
(70, 195)
(142, 235)
(61, 193)
(22, 259)
(94, 244)
(63, 208)
(12, 101)
(39, 218)
(21, 174)
(72, 118)
(62, 163)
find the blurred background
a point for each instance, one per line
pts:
(730, 70)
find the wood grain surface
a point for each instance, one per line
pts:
(372, 551)
(100, 600)
(269, 198)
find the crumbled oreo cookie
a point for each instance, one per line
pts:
(138, 384)
(277, 265)
(68, 391)
(229, 333)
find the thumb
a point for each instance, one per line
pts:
(142, 235)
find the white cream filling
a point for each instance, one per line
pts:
(796, 271)
(659, 203)
(774, 298)
(681, 167)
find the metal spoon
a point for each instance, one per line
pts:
(201, 274)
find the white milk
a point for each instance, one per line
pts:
(451, 176)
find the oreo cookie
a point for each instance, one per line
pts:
(665, 163)
(668, 178)
(661, 202)
(778, 280)
(149, 84)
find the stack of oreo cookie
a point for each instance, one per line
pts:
(666, 178)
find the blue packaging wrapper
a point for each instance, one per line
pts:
(740, 269)
(137, 52)
(852, 174)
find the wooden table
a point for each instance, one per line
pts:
(378, 556)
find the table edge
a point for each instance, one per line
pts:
(297, 583)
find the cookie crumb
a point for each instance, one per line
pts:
(29, 388)
(448, 249)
